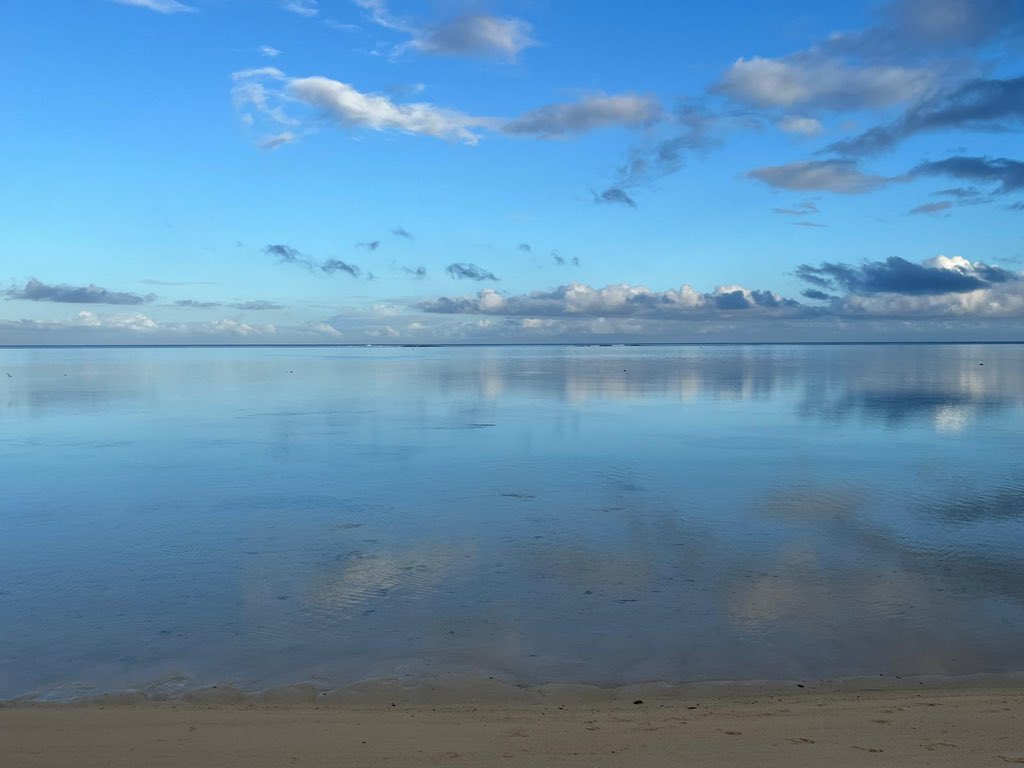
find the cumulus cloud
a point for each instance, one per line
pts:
(623, 300)
(1008, 174)
(461, 271)
(941, 275)
(160, 6)
(938, 207)
(614, 195)
(35, 290)
(976, 105)
(840, 176)
(585, 115)
(477, 34)
(823, 82)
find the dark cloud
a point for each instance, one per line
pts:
(559, 259)
(285, 254)
(461, 271)
(840, 176)
(816, 295)
(418, 272)
(614, 195)
(402, 232)
(691, 127)
(930, 26)
(193, 304)
(337, 265)
(961, 193)
(373, 245)
(932, 207)
(896, 275)
(1009, 174)
(258, 305)
(525, 247)
(1018, 206)
(976, 105)
(587, 114)
(814, 224)
(575, 261)
(34, 290)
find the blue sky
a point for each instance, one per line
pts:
(364, 171)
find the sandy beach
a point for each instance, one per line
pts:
(898, 723)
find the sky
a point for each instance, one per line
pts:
(525, 171)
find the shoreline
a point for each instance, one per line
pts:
(864, 721)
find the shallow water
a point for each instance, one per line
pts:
(173, 518)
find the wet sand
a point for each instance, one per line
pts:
(864, 722)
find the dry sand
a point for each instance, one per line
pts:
(859, 723)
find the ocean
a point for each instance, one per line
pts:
(173, 518)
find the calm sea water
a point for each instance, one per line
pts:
(172, 518)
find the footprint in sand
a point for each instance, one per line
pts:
(874, 750)
(800, 740)
(1006, 759)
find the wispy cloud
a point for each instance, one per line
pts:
(805, 208)
(402, 232)
(160, 6)
(587, 114)
(307, 8)
(1008, 174)
(35, 290)
(417, 272)
(614, 195)
(461, 271)
(269, 51)
(938, 207)
(994, 105)
(337, 265)
(840, 176)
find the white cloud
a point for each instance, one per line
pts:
(306, 8)
(353, 108)
(160, 6)
(269, 51)
(823, 82)
(806, 126)
(477, 35)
